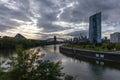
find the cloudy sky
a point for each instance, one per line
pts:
(41, 19)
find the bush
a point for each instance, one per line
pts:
(29, 66)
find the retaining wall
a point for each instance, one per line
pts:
(108, 56)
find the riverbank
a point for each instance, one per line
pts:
(99, 55)
(105, 47)
(82, 67)
(12, 43)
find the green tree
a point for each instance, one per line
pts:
(117, 46)
(28, 66)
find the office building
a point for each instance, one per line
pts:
(95, 28)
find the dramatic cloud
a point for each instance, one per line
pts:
(41, 19)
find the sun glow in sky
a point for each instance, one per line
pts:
(41, 19)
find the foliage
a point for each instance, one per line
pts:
(68, 77)
(28, 66)
(117, 46)
(10, 43)
(106, 46)
(2, 77)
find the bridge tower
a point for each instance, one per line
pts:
(55, 39)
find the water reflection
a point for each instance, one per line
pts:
(55, 48)
(79, 67)
(97, 70)
(83, 68)
(6, 54)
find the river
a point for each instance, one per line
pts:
(78, 68)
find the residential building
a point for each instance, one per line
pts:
(115, 37)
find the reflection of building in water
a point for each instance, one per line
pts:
(55, 48)
(97, 70)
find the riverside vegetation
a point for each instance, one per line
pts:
(27, 65)
(106, 46)
(12, 43)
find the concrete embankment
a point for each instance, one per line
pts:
(107, 56)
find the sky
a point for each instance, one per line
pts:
(42, 19)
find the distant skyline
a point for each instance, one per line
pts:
(41, 19)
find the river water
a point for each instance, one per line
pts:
(80, 69)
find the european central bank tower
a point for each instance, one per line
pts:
(95, 28)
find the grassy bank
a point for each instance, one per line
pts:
(106, 47)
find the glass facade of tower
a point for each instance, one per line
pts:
(95, 28)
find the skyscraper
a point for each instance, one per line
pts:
(95, 28)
